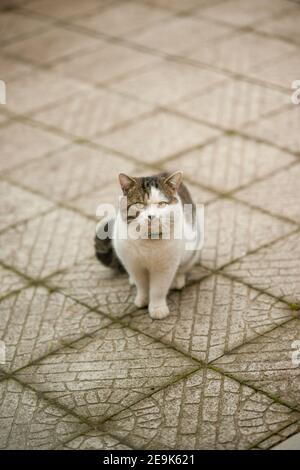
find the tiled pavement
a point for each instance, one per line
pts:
(103, 86)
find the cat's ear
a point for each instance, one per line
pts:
(126, 182)
(174, 180)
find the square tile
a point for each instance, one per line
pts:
(39, 89)
(179, 34)
(230, 162)
(65, 8)
(232, 229)
(123, 18)
(154, 85)
(48, 243)
(210, 318)
(21, 143)
(282, 129)
(274, 269)
(30, 422)
(242, 13)
(35, 323)
(13, 25)
(287, 26)
(91, 112)
(94, 440)
(158, 137)
(50, 45)
(10, 281)
(11, 68)
(97, 287)
(17, 205)
(99, 376)
(109, 63)
(232, 104)
(203, 411)
(285, 197)
(281, 72)
(267, 363)
(72, 172)
(242, 52)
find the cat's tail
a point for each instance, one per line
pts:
(104, 247)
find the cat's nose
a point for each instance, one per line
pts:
(151, 217)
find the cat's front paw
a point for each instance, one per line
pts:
(141, 300)
(159, 312)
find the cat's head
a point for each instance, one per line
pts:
(151, 202)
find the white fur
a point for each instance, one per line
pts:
(155, 265)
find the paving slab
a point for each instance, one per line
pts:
(48, 243)
(230, 162)
(274, 269)
(269, 363)
(204, 411)
(28, 422)
(213, 316)
(35, 323)
(102, 375)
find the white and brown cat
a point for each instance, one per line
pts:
(155, 258)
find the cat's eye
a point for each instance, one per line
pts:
(162, 204)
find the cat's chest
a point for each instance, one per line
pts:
(150, 253)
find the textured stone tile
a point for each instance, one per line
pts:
(281, 72)
(65, 8)
(39, 89)
(123, 18)
(285, 197)
(53, 44)
(292, 443)
(204, 411)
(287, 26)
(241, 13)
(100, 376)
(233, 103)
(30, 422)
(98, 287)
(230, 162)
(275, 269)
(17, 205)
(277, 437)
(72, 172)
(95, 440)
(212, 317)
(9, 281)
(34, 323)
(48, 243)
(109, 63)
(281, 129)
(91, 112)
(242, 52)
(154, 85)
(157, 137)
(21, 143)
(266, 363)
(13, 25)
(179, 34)
(11, 68)
(233, 229)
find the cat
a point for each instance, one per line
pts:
(155, 262)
